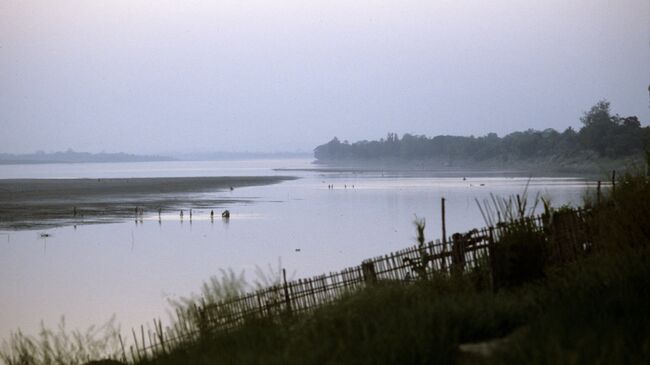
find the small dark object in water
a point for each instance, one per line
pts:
(212, 214)
(297, 250)
(231, 188)
(225, 214)
(45, 235)
(482, 184)
(464, 178)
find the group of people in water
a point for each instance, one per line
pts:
(139, 214)
(225, 214)
(345, 186)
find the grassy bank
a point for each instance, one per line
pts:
(594, 311)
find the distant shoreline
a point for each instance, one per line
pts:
(44, 203)
(71, 156)
(53, 162)
(551, 166)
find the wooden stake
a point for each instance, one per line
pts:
(286, 291)
(119, 335)
(444, 227)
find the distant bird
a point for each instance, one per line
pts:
(225, 214)
(231, 188)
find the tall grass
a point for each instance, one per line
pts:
(498, 210)
(589, 312)
(61, 346)
(592, 311)
(518, 256)
(189, 317)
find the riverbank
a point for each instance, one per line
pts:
(589, 312)
(40, 203)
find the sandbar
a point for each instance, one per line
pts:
(43, 203)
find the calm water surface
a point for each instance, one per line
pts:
(131, 269)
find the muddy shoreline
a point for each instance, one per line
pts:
(45, 203)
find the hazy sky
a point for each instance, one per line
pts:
(160, 76)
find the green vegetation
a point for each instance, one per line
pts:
(594, 312)
(61, 346)
(603, 135)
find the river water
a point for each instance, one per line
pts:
(131, 269)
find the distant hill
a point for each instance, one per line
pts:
(216, 156)
(71, 156)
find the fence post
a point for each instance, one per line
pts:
(493, 277)
(444, 228)
(286, 291)
(457, 253)
(369, 274)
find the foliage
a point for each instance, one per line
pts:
(227, 286)
(61, 346)
(588, 312)
(603, 133)
(591, 312)
(419, 266)
(518, 257)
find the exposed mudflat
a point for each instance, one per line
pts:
(39, 203)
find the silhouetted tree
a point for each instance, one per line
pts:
(606, 134)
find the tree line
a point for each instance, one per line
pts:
(602, 133)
